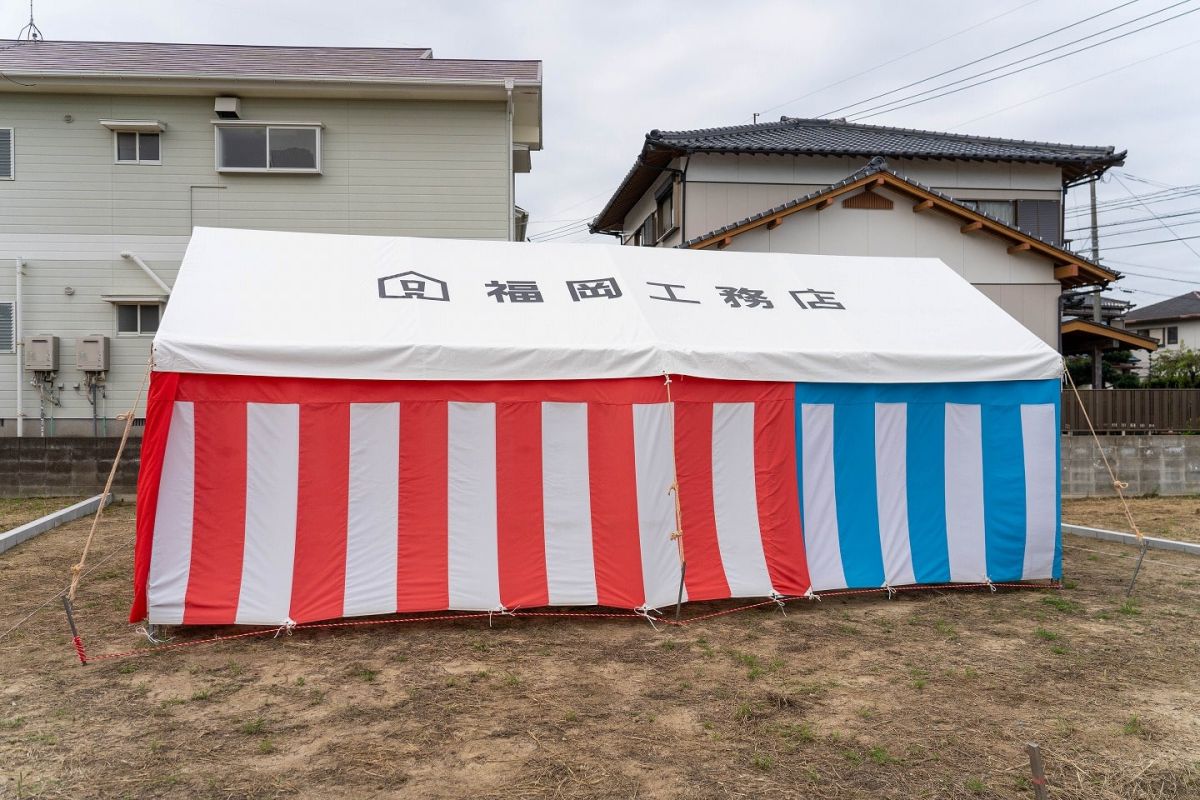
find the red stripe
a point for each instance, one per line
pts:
(422, 583)
(520, 522)
(219, 515)
(779, 496)
(226, 388)
(616, 546)
(319, 576)
(705, 576)
(160, 405)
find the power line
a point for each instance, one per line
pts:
(864, 114)
(1122, 204)
(1167, 227)
(1118, 223)
(987, 57)
(898, 58)
(1163, 278)
(1181, 239)
(1074, 85)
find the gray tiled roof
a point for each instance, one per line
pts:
(154, 59)
(837, 137)
(1185, 305)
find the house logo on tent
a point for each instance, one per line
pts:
(413, 286)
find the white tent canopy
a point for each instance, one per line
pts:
(388, 308)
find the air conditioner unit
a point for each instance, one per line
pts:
(91, 353)
(228, 107)
(41, 353)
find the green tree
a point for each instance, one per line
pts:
(1177, 369)
(1115, 363)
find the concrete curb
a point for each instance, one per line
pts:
(1128, 538)
(29, 530)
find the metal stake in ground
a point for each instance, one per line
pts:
(1038, 769)
(1137, 567)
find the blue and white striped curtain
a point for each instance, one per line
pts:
(929, 483)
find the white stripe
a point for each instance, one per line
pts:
(654, 462)
(372, 507)
(820, 499)
(966, 541)
(171, 554)
(474, 563)
(1039, 435)
(272, 472)
(891, 491)
(567, 505)
(735, 501)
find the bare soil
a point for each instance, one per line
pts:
(18, 511)
(1165, 517)
(929, 695)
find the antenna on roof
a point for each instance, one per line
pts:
(31, 32)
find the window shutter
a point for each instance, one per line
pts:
(6, 152)
(8, 334)
(1041, 218)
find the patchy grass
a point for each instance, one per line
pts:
(847, 698)
(1166, 517)
(16, 511)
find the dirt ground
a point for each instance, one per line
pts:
(929, 695)
(18, 511)
(1165, 517)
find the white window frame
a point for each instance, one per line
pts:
(317, 127)
(12, 147)
(663, 193)
(6, 301)
(139, 160)
(138, 304)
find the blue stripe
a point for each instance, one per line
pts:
(927, 492)
(995, 393)
(1058, 488)
(857, 507)
(1003, 492)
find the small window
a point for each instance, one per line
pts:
(268, 148)
(135, 147)
(648, 236)
(1003, 210)
(8, 326)
(1173, 335)
(664, 211)
(137, 319)
(7, 161)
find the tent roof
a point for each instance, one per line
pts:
(332, 306)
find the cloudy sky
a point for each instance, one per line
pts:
(617, 69)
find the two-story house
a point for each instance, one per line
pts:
(111, 152)
(1174, 324)
(992, 209)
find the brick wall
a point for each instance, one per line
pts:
(65, 465)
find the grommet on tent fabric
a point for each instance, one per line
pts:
(646, 613)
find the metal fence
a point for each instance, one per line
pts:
(1133, 410)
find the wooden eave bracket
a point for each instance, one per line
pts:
(775, 223)
(924, 205)
(724, 242)
(1019, 248)
(824, 204)
(972, 227)
(1064, 272)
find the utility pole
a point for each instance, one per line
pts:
(1097, 352)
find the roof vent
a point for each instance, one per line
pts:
(228, 107)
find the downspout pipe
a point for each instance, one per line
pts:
(512, 178)
(19, 334)
(130, 256)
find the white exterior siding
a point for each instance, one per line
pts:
(1188, 333)
(430, 168)
(1022, 285)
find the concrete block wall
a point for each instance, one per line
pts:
(1151, 464)
(65, 465)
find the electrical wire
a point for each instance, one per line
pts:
(890, 106)
(1164, 225)
(1074, 85)
(989, 56)
(891, 61)
(1181, 239)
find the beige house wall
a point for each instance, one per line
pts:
(389, 167)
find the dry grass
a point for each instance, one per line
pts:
(18, 511)
(1166, 517)
(925, 696)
